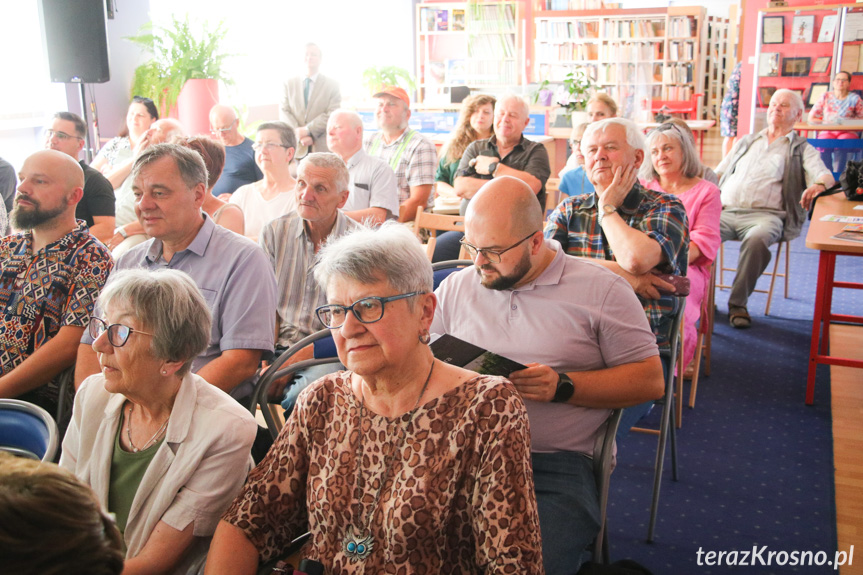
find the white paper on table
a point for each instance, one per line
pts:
(860, 207)
(843, 219)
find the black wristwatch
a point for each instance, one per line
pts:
(565, 389)
(492, 167)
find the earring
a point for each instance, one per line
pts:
(164, 372)
(425, 337)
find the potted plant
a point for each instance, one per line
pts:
(184, 71)
(577, 87)
(376, 77)
(543, 94)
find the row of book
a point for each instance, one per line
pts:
(491, 46)
(491, 18)
(681, 50)
(433, 20)
(678, 74)
(557, 72)
(681, 26)
(570, 52)
(677, 93)
(629, 51)
(630, 73)
(568, 30)
(634, 28)
(580, 5)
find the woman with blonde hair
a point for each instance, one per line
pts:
(476, 122)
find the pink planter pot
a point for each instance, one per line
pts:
(194, 103)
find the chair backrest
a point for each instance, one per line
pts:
(436, 223)
(603, 464)
(552, 194)
(442, 270)
(27, 430)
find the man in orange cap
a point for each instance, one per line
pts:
(411, 156)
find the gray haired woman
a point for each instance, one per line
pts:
(163, 450)
(400, 463)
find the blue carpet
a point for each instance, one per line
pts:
(756, 463)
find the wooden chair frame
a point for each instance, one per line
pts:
(437, 223)
(786, 272)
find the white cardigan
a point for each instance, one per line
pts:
(196, 472)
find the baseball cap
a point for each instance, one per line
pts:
(395, 92)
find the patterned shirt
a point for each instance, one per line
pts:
(412, 157)
(457, 498)
(661, 217)
(292, 255)
(831, 109)
(42, 292)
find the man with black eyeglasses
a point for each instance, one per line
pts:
(580, 331)
(66, 135)
(50, 276)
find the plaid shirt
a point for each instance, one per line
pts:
(661, 217)
(412, 157)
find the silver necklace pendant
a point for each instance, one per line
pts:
(356, 547)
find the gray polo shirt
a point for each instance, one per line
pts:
(527, 156)
(575, 316)
(292, 256)
(235, 278)
(372, 185)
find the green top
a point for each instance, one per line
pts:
(446, 172)
(127, 470)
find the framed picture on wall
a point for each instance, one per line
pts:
(822, 65)
(796, 66)
(774, 30)
(768, 64)
(802, 29)
(828, 28)
(817, 90)
(764, 95)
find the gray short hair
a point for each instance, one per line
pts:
(168, 304)
(691, 163)
(634, 137)
(355, 119)
(795, 97)
(286, 133)
(509, 97)
(189, 163)
(391, 253)
(329, 161)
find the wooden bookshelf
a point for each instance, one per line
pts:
(719, 51)
(635, 55)
(473, 44)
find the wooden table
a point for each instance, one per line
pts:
(819, 238)
(698, 127)
(806, 127)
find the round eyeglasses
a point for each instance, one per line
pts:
(118, 334)
(366, 310)
(492, 256)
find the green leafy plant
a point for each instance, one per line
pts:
(578, 86)
(178, 55)
(534, 96)
(376, 77)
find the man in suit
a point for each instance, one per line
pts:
(308, 102)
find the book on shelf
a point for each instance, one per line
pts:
(456, 71)
(455, 351)
(441, 20)
(457, 20)
(427, 19)
(682, 26)
(436, 73)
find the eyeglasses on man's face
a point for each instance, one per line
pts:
(61, 136)
(118, 334)
(267, 146)
(366, 310)
(492, 256)
(223, 130)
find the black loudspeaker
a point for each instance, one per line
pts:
(76, 40)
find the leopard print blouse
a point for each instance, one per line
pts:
(459, 498)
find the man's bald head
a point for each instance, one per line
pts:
(52, 184)
(225, 125)
(506, 203)
(221, 116)
(167, 131)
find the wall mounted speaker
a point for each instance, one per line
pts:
(76, 40)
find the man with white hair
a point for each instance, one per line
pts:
(506, 153)
(240, 167)
(768, 181)
(410, 154)
(374, 195)
(631, 230)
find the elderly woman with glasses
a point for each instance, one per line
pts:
(402, 463)
(272, 196)
(675, 168)
(163, 450)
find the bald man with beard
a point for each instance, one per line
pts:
(580, 331)
(50, 276)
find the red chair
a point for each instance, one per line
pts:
(688, 107)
